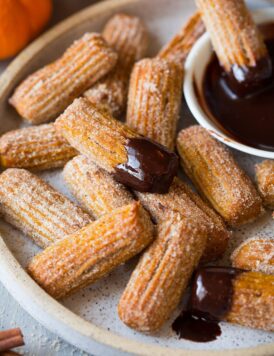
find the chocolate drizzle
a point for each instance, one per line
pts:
(249, 119)
(210, 302)
(150, 167)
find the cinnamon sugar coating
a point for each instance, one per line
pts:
(48, 91)
(265, 181)
(39, 147)
(154, 99)
(255, 254)
(253, 301)
(94, 188)
(162, 274)
(38, 210)
(127, 35)
(218, 177)
(92, 252)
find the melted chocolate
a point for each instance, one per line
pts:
(150, 167)
(210, 301)
(248, 119)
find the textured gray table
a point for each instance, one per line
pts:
(39, 341)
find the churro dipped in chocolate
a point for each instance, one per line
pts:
(178, 48)
(95, 189)
(154, 99)
(183, 200)
(92, 252)
(265, 182)
(47, 92)
(39, 147)
(237, 43)
(217, 176)
(127, 35)
(38, 210)
(255, 254)
(133, 160)
(162, 274)
(225, 293)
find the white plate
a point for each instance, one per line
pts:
(89, 318)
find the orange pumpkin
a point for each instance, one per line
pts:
(20, 21)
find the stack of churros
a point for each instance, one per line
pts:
(124, 175)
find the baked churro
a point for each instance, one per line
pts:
(217, 176)
(237, 42)
(94, 188)
(92, 252)
(38, 210)
(154, 99)
(47, 92)
(161, 276)
(265, 181)
(223, 293)
(134, 160)
(178, 48)
(127, 35)
(255, 254)
(182, 199)
(39, 147)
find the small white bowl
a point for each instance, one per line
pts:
(194, 72)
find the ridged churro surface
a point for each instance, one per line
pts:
(95, 133)
(47, 92)
(178, 48)
(217, 176)
(253, 301)
(35, 208)
(154, 99)
(94, 188)
(265, 181)
(38, 147)
(93, 251)
(233, 33)
(128, 36)
(255, 254)
(161, 276)
(182, 199)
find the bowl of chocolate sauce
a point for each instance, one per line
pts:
(243, 122)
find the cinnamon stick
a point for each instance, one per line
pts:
(11, 338)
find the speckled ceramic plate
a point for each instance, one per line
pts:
(89, 318)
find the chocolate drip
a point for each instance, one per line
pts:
(150, 167)
(249, 119)
(210, 302)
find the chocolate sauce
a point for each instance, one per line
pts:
(150, 167)
(210, 302)
(249, 119)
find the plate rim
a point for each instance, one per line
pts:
(50, 313)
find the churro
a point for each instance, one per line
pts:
(213, 170)
(39, 147)
(134, 160)
(154, 99)
(92, 252)
(38, 210)
(47, 92)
